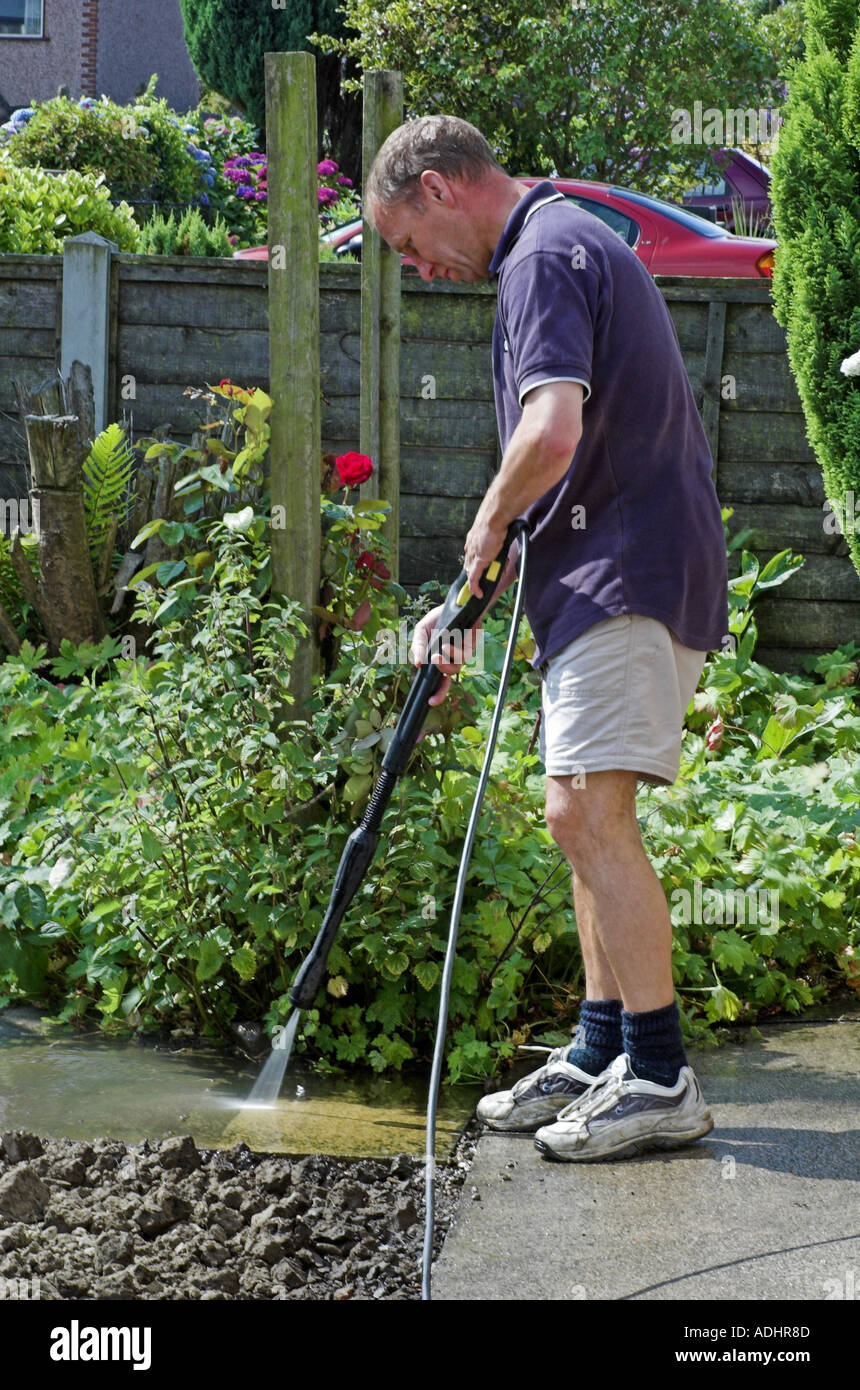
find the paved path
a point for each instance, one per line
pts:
(766, 1207)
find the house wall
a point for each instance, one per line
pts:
(33, 69)
(137, 40)
(100, 46)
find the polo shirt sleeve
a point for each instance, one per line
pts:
(549, 315)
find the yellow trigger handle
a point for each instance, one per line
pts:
(492, 574)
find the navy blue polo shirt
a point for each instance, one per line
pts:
(634, 526)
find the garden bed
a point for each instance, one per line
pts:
(166, 1220)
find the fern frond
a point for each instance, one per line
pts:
(106, 475)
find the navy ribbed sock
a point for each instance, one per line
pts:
(654, 1044)
(597, 1041)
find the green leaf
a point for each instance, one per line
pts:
(102, 909)
(151, 528)
(172, 532)
(427, 973)
(169, 570)
(239, 521)
(244, 962)
(209, 960)
(779, 568)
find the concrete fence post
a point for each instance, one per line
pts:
(86, 314)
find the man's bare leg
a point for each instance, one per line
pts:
(621, 908)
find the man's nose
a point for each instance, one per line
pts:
(426, 269)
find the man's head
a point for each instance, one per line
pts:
(438, 194)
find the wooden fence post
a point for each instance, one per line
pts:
(380, 320)
(294, 344)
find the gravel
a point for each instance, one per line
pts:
(166, 1220)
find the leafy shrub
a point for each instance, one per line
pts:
(92, 137)
(39, 210)
(139, 148)
(170, 829)
(187, 235)
(816, 282)
(225, 139)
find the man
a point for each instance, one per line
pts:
(606, 458)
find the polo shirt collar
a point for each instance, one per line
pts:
(514, 225)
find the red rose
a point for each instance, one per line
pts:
(354, 469)
(367, 560)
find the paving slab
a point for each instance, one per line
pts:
(766, 1207)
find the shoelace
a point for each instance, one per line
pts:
(556, 1054)
(605, 1088)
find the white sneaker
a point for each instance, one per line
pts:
(621, 1115)
(538, 1097)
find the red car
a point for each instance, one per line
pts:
(667, 238)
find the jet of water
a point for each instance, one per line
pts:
(266, 1088)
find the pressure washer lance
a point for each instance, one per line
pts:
(460, 612)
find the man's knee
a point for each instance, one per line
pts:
(587, 820)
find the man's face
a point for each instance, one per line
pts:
(441, 239)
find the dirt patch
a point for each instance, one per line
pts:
(166, 1220)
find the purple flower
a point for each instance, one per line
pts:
(204, 199)
(327, 166)
(235, 174)
(345, 183)
(244, 190)
(326, 195)
(261, 195)
(241, 161)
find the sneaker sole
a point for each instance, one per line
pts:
(515, 1129)
(628, 1148)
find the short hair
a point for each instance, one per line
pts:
(449, 145)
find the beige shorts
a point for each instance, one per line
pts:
(614, 699)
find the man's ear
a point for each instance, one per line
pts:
(435, 186)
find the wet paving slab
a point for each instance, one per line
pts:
(59, 1084)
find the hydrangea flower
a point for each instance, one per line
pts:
(345, 183)
(204, 199)
(245, 190)
(327, 166)
(326, 195)
(261, 196)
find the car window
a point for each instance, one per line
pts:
(709, 190)
(686, 219)
(626, 228)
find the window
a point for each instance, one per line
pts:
(709, 190)
(626, 228)
(21, 19)
(690, 220)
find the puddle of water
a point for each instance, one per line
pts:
(87, 1086)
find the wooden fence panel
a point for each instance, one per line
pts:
(31, 310)
(183, 322)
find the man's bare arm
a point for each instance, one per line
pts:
(538, 455)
